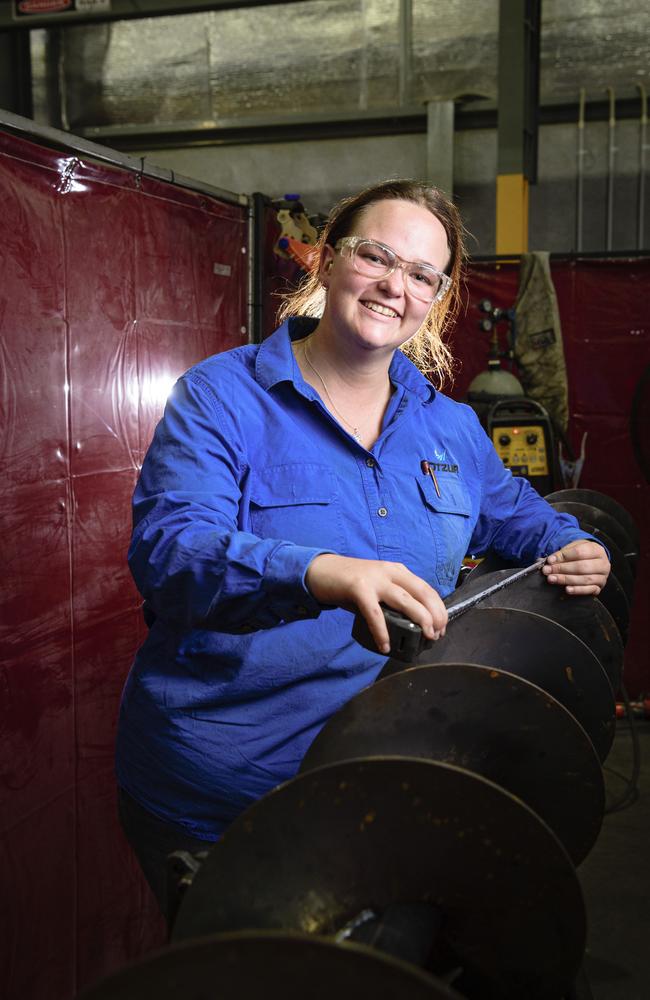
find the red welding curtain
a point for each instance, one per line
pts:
(108, 291)
(605, 319)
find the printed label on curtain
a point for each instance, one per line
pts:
(224, 270)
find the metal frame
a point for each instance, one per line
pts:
(409, 120)
(286, 128)
(136, 164)
(121, 10)
(257, 236)
(518, 83)
(515, 258)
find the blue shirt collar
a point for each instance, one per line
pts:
(276, 363)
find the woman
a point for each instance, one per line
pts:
(283, 492)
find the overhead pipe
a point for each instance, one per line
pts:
(611, 156)
(440, 145)
(580, 167)
(363, 61)
(643, 122)
(405, 50)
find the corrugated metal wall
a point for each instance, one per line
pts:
(324, 56)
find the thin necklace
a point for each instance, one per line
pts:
(355, 430)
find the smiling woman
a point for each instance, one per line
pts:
(426, 348)
(382, 283)
(290, 485)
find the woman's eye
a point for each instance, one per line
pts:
(423, 278)
(374, 258)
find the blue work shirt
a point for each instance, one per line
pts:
(247, 479)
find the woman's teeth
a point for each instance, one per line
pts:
(382, 310)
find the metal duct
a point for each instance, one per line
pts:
(320, 56)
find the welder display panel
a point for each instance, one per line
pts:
(522, 448)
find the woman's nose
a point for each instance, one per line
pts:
(394, 282)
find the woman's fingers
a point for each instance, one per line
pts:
(421, 603)
(376, 622)
(428, 612)
(582, 567)
(365, 584)
(577, 584)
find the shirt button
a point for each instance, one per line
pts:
(382, 512)
(370, 462)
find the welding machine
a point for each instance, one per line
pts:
(522, 434)
(520, 428)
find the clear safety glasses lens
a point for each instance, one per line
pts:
(374, 260)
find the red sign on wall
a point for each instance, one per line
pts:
(30, 8)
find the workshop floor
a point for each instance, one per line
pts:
(616, 881)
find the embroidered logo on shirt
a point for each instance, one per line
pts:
(443, 467)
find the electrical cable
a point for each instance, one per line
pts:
(629, 796)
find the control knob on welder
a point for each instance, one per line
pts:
(531, 438)
(504, 439)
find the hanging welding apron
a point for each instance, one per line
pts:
(538, 345)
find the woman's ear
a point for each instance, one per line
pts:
(326, 263)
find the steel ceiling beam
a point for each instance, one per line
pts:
(518, 78)
(312, 127)
(116, 10)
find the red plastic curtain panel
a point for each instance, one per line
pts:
(605, 318)
(111, 285)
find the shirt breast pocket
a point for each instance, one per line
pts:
(299, 503)
(450, 518)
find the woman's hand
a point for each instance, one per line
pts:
(361, 584)
(582, 567)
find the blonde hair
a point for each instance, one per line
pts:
(426, 348)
